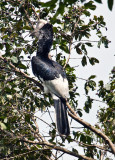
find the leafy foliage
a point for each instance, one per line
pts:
(20, 98)
(107, 114)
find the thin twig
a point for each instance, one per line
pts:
(92, 145)
(50, 115)
(82, 78)
(44, 121)
(95, 99)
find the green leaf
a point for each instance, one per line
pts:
(80, 113)
(106, 43)
(88, 104)
(92, 77)
(74, 150)
(82, 138)
(93, 60)
(99, 1)
(1, 46)
(87, 13)
(27, 118)
(89, 140)
(84, 61)
(83, 48)
(61, 8)
(101, 83)
(110, 4)
(5, 37)
(14, 59)
(79, 44)
(22, 66)
(64, 48)
(90, 5)
(27, 27)
(86, 108)
(89, 44)
(78, 50)
(95, 18)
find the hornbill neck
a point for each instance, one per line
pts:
(44, 46)
(43, 55)
(45, 40)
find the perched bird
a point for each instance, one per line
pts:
(51, 74)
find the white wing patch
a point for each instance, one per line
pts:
(58, 87)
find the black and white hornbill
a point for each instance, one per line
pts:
(51, 74)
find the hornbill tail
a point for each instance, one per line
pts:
(62, 122)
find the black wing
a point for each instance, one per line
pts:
(48, 70)
(43, 69)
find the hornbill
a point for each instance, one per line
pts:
(51, 74)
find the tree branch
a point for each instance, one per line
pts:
(52, 146)
(73, 115)
(19, 155)
(22, 73)
(38, 17)
(59, 149)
